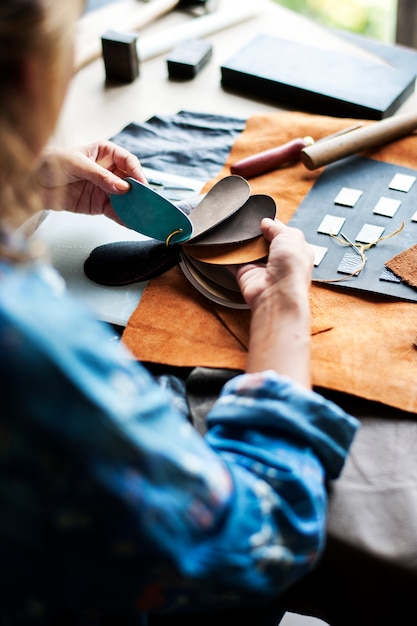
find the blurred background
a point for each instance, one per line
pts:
(372, 18)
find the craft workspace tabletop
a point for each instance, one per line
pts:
(369, 571)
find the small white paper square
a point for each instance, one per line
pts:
(331, 225)
(414, 217)
(402, 182)
(348, 196)
(319, 253)
(369, 233)
(387, 206)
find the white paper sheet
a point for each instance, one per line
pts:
(70, 238)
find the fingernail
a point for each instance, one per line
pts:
(122, 185)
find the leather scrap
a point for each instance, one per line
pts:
(404, 265)
(176, 325)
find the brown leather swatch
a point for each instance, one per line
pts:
(404, 265)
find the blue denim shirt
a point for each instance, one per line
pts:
(111, 501)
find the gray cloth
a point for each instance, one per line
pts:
(191, 144)
(368, 574)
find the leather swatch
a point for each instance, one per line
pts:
(127, 262)
(404, 265)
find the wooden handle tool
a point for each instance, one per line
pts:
(364, 138)
(271, 159)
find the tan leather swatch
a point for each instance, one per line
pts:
(404, 265)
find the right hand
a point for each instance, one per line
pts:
(287, 272)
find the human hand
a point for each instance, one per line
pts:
(81, 180)
(287, 272)
(278, 294)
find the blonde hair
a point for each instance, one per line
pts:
(27, 27)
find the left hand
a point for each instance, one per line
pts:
(80, 180)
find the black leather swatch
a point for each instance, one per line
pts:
(127, 262)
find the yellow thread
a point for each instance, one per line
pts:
(360, 249)
(175, 232)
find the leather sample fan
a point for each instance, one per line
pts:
(223, 229)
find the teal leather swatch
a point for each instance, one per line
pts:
(147, 212)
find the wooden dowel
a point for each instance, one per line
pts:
(326, 152)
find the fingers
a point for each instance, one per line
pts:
(121, 163)
(271, 228)
(104, 164)
(292, 238)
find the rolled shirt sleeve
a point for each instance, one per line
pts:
(280, 442)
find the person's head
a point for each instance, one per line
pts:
(36, 63)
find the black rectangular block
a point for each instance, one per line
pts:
(187, 59)
(120, 56)
(313, 79)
